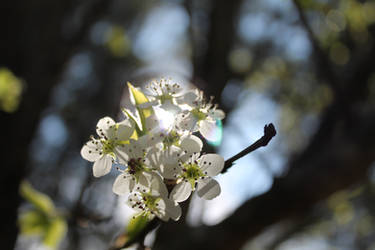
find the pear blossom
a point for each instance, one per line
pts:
(174, 148)
(102, 151)
(201, 117)
(136, 157)
(153, 201)
(196, 173)
(163, 93)
(187, 142)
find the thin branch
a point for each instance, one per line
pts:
(269, 133)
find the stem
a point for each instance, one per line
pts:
(154, 223)
(269, 133)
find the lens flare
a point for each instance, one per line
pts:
(216, 135)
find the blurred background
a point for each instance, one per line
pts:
(305, 65)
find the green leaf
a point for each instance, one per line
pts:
(139, 98)
(136, 225)
(43, 219)
(38, 199)
(55, 232)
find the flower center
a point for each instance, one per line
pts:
(151, 202)
(171, 139)
(198, 114)
(165, 97)
(108, 146)
(135, 166)
(192, 173)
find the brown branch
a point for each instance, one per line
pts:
(269, 133)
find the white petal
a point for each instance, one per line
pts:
(153, 156)
(213, 164)
(124, 131)
(206, 128)
(169, 171)
(169, 106)
(191, 143)
(138, 149)
(150, 140)
(129, 151)
(208, 188)
(170, 155)
(157, 185)
(144, 180)
(103, 126)
(148, 104)
(217, 114)
(102, 166)
(123, 184)
(152, 122)
(181, 191)
(161, 211)
(111, 133)
(122, 154)
(169, 163)
(173, 210)
(188, 98)
(186, 121)
(91, 150)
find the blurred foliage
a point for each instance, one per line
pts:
(43, 219)
(10, 90)
(118, 42)
(240, 60)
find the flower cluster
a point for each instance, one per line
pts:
(159, 159)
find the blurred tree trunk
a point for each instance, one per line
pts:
(35, 46)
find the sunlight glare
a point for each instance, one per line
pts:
(166, 118)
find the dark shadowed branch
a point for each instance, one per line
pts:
(269, 133)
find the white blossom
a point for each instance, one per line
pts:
(163, 94)
(138, 169)
(174, 149)
(154, 201)
(197, 171)
(202, 115)
(102, 151)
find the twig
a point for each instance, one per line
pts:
(269, 132)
